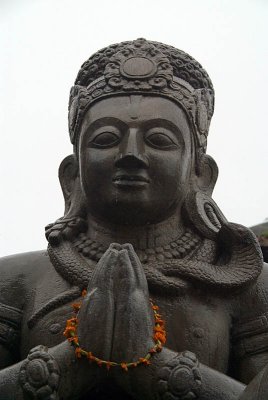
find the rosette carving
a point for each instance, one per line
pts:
(39, 375)
(140, 66)
(180, 379)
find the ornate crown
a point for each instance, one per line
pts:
(144, 67)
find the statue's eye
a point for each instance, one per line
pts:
(161, 139)
(105, 138)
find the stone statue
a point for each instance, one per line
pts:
(141, 241)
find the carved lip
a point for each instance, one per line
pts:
(130, 180)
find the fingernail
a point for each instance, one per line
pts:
(115, 246)
(128, 246)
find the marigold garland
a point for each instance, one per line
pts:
(159, 338)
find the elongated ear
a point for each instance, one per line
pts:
(207, 174)
(74, 220)
(199, 208)
(71, 188)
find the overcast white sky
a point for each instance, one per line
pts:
(44, 42)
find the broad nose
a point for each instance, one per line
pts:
(131, 151)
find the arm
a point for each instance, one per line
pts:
(250, 331)
(75, 377)
(171, 375)
(45, 372)
(178, 377)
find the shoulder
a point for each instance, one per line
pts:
(263, 278)
(260, 291)
(254, 299)
(24, 263)
(19, 272)
(250, 325)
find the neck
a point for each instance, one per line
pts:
(141, 237)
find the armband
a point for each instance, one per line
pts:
(10, 320)
(251, 336)
(39, 375)
(180, 378)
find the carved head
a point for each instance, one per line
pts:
(147, 68)
(139, 115)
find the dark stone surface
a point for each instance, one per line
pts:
(139, 224)
(264, 250)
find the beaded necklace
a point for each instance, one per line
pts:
(177, 249)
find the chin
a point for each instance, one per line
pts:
(134, 212)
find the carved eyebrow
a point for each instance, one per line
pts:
(165, 123)
(98, 123)
(161, 122)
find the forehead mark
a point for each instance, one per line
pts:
(134, 106)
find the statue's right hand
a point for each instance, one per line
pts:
(96, 315)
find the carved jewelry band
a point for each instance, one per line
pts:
(39, 375)
(180, 378)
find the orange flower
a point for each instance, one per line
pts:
(158, 328)
(160, 336)
(124, 366)
(159, 321)
(78, 352)
(90, 356)
(70, 328)
(144, 361)
(69, 331)
(76, 307)
(72, 321)
(73, 339)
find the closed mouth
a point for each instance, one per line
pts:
(130, 180)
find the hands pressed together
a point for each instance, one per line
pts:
(116, 321)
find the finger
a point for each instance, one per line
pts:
(96, 323)
(125, 275)
(133, 326)
(115, 246)
(137, 266)
(133, 322)
(96, 316)
(104, 269)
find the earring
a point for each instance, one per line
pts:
(204, 214)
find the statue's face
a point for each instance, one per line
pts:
(135, 156)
